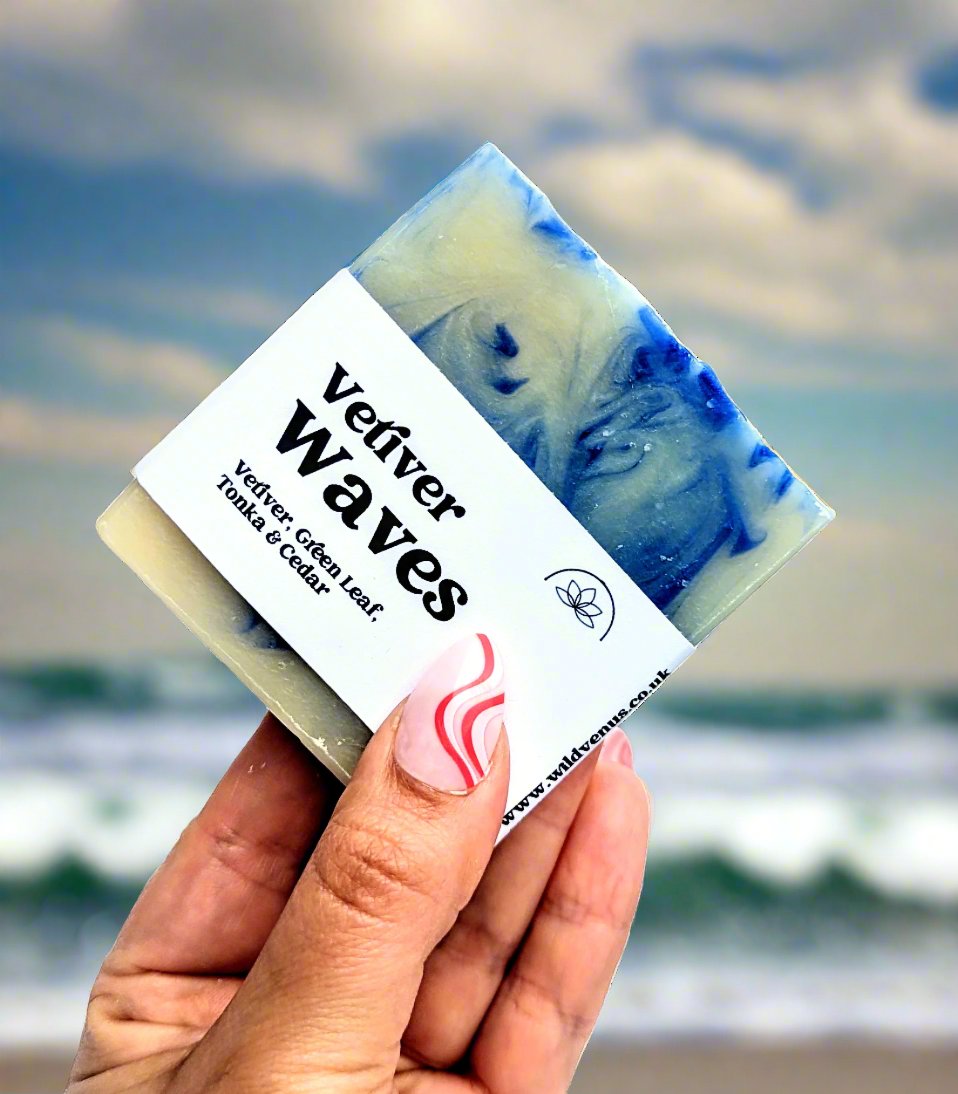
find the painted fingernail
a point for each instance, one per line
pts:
(453, 718)
(617, 749)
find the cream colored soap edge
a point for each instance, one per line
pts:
(137, 530)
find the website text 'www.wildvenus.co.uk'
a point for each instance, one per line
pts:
(581, 751)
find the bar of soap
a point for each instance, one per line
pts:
(579, 375)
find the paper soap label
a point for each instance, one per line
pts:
(349, 492)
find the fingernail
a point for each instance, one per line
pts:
(453, 718)
(617, 749)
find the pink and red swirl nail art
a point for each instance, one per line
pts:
(452, 720)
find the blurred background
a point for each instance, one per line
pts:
(781, 180)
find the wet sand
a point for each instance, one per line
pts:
(676, 1068)
(815, 1068)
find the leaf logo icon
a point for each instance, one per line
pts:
(581, 601)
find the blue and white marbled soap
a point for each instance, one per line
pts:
(581, 377)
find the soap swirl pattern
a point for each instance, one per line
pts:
(255, 630)
(581, 377)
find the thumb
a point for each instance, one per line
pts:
(403, 852)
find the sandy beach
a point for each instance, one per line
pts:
(678, 1068)
(742, 1069)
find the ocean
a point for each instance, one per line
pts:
(803, 879)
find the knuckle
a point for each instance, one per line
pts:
(271, 865)
(369, 871)
(103, 1041)
(540, 1003)
(474, 941)
(580, 909)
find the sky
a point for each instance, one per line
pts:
(779, 179)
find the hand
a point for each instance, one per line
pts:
(291, 942)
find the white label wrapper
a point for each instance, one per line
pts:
(440, 510)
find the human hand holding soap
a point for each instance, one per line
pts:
(291, 942)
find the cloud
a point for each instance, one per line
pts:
(828, 97)
(866, 132)
(169, 368)
(56, 433)
(704, 228)
(716, 206)
(231, 306)
(76, 602)
(864, 603)
(296, 90)
(308, 90)
(49, 433)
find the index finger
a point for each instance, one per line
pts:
(212, 904)
(399, 859)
